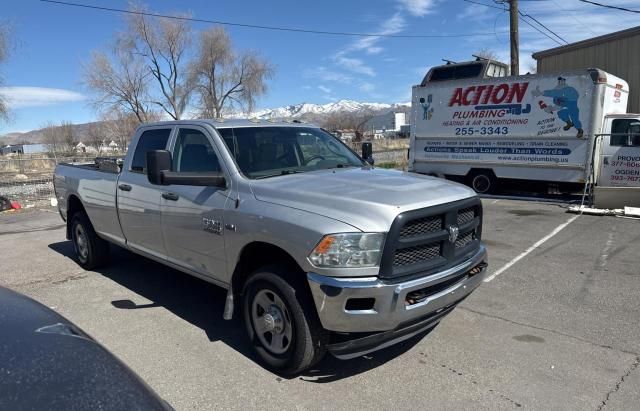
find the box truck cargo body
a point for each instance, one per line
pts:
(549, 128)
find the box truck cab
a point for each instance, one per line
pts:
(568, 128)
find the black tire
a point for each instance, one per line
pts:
(483, 182)
(91, 250)
(308, 339)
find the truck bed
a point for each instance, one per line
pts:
(95, 185)
(104, 164)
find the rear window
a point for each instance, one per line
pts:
(149, 140)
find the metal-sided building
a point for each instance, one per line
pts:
(616, 53)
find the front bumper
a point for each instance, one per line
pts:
(394, 304)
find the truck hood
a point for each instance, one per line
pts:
(368, 199)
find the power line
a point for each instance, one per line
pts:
(573, 16)
(523, 15)
(486, 5)
(254, 26)
(540, 31)
(545, 27)
(609, 6)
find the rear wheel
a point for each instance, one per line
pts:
(281, 322)
(483, 182)
(91, 250)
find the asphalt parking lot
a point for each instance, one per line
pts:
(556, 327)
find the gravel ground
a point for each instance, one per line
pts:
(29, 192)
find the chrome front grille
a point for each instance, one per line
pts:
(431, 238)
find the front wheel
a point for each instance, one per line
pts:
(281, 322)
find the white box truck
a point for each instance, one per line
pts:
(568, 128)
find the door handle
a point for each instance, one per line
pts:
(124, 187)
(170, 196)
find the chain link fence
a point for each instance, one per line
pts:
(387, 153)
(29, 179)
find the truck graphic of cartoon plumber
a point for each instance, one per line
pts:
(565, 100)
(427, 110)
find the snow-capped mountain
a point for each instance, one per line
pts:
(304, 109)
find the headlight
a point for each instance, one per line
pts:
(348, 250)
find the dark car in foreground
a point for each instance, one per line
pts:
(48, 363)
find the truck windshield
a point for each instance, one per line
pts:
(262, 152)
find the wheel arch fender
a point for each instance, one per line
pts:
(74, 205)
(252, 256)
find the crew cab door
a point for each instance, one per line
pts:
(192, 216)
(138, 201)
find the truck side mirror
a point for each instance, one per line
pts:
(158, 161)
(367, 152)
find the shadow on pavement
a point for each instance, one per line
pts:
(202, 304)
(331, 369)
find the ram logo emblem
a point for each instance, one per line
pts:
(453, 233)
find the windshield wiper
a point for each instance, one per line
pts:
(341, 165)
(281, 173)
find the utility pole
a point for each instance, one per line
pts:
(515, 48)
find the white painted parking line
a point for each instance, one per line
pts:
(530, 249)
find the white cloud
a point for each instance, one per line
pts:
(374, 50)
(323, 74)
(476, 12)
(20, 97)
(354, 65)
(393, 25)
(367, 87)
(324, 89)
(418, 8)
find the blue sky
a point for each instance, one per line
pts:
(42, 76)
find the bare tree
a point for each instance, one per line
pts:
(51, 138)
(120, 82)
(224, 78)
(67, 139)
(532, 68)
(355, 121)
(162, 44)
(334, 121)
(486, 53)
(120, 126)
(5, 34)
(96, 135)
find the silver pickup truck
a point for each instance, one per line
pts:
(319, 250)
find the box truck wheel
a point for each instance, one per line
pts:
(482, 181)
